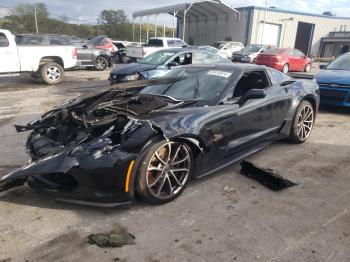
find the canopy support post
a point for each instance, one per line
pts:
(140, 29)
(133, 29)
(147, 30)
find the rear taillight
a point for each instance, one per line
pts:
(75, 53)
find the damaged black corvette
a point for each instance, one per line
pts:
(149, 137)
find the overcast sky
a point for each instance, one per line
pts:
(88, 10)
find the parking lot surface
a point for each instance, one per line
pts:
(223, 217)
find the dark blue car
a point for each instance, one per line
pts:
(334, 82)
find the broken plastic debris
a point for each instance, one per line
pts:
(266, 177)
(117, 237)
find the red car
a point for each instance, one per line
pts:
(285, 60)
(102, 42)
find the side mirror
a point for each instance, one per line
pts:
(84, 46)
(323, 66)
(183, 46)
(262, 51)
(252, 94)
(172, 64)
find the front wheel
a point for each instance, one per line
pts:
(164, 173)
(285, 68)
(52, 73)
(302, 123)
(101, 63)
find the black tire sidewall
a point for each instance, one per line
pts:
(43, 69)
(141, 188)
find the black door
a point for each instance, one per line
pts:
(258, 120)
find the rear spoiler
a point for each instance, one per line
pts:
(302, 75)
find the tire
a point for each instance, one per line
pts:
(285, 68)
(101, 63)
(303, 122)
(52, 73)
(159, 180)
(307, 68)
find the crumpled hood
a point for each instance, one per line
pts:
(334, 76)
(133, 68)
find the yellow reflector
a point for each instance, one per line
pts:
(128, 176)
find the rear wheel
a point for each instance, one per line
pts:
(307, 68)
(164, 173)
(302, 123)
(101, 63)
(52, 73)
(285, 68)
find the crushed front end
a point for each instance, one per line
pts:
(83, 151)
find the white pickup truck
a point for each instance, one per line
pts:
(154, 44)
(47, 62)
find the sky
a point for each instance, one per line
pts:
(87, 11)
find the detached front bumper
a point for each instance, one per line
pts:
(104, 182)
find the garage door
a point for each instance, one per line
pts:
(270, 34)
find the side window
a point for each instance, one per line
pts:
(298, 53)
(179, 43)
(275, 76)
(171, 43)
(3, 40)
(251, 80)
(184, 59)
(290, 53)
(58, 41)
(204, 58)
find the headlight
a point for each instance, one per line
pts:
(131, 77)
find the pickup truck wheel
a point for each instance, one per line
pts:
(101, 63)
(52, 73)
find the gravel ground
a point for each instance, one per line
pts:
(244, 222)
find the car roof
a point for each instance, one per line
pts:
(166, 38)
(239, 66)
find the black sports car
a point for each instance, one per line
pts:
(150, 137)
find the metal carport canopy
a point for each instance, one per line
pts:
(195, 10)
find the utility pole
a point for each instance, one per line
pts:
(98, 26)
(36, 20)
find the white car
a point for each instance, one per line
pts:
(227, 48)
(154, 44)
(47, 62)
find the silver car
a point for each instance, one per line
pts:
(159, 63)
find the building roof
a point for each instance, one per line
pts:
(199, 10)
(273, 9)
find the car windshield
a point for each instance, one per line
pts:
(157, 58)
(252, 48)
(194, 83)
(341, 63)
(219, 45)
